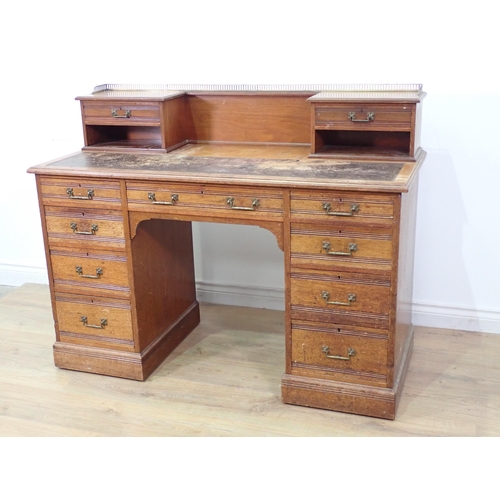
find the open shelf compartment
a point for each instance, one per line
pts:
(363, 144)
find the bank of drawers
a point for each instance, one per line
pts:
(342, 255)
(86, 239)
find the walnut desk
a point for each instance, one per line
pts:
(331, 173)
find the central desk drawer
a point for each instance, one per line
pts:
(210, 201)
(95, 228)
(337, 207)
(341, 297)
(94, 322)
(121, 113)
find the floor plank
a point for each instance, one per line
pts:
(224, 380)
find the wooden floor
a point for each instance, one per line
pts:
(224, 380)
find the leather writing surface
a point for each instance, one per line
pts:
(307, 168)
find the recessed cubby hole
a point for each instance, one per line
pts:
(123, 136)
(362, 143)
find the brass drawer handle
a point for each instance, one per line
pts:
(370, 116)
(350, 352)
(230, 202)
(350, 299)
(74, 227)
(174, 197)
(90, 194)
(98, 273)
(354, 208)
(127, 113)
(104, 323)
(353, 247)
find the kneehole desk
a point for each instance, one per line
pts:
(117, 216)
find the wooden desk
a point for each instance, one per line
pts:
(117, 220)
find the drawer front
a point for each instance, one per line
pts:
(344, 249)
(89, 228)
(120, 113)
(341, 207)
(340, 297)
(364, 116)
(212, 201)
(90, 273)
(94, 322)
(83, 193)
(347, 355)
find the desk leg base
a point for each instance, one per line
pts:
(349, 398)
(337, 396)
(131, 365)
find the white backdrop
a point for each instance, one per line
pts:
(55, 50)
